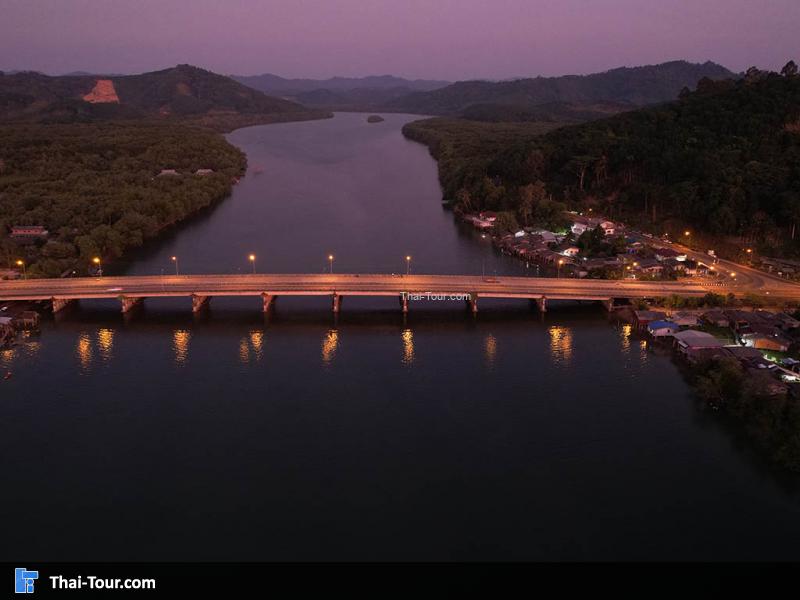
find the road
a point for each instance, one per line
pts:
(382, 285)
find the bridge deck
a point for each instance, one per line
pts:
(345, 285)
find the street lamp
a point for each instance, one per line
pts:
(175, 260)
(252, 259)
(687, 233)
(560, 262)
(408, 265)
(21, 263)
(330, 260)
(96, 261)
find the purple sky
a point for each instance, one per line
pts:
(443, 39)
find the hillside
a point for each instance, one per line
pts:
(182, 92)
(624, 87)
(722, 161)
(280, 86)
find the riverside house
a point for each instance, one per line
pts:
(25, 233)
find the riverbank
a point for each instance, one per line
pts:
(113, 186)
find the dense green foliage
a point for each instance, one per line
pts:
(631, 87)
(94, 186)
(464, 151)
(772, 421)
(724, 159)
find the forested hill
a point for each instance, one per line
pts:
(724, 159)
(281, 86)
(623, 88)
(183, 92)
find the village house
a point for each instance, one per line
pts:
(608, 227)
(571, 251)
(691, 344)
(168, 173)
(650, 266)
(662, 328)
(663, 254)
(716, 317)
(204, 172)
(765, 337)
(28, 232)
(684, 318)
(642, 318)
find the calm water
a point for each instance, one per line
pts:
(226, 436)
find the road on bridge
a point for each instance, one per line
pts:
(378, 285)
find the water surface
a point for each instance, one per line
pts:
(234, 437)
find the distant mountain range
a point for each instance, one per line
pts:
(280, 86)
(569, 98)
(183, 91)
(341, 93)
(574, 95)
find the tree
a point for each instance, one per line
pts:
(506, 222)
(789, 69)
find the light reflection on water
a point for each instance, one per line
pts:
(408, 346)
(490, 349)
(625, 337)
(105, 342)
(560, 344)
(180, 344)
(329, 343)
(84, 351)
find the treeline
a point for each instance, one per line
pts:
(95, 187)
(724, 159)
(772, 421)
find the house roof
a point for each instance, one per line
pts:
(662, 325)
(692, 338)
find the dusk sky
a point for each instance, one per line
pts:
(442, 39)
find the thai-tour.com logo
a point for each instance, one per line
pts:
(24, 580)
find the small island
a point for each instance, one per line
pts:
(375, 119)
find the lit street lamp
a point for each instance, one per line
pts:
(687, 233)
(21, 263)
(330, 260)
(252, 259)
(175, 260)
(560, 262)
(96, 261)
(408, 265)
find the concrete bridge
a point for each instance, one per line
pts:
(132, 290)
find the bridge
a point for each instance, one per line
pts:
(132, 290)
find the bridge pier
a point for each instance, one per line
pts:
(268, 300)
(60, 304)
(337, 303)
(199, 303)
(541, 304)
(472, 302)
(404, 302)
(130, 303)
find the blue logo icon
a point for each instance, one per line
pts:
(23, 580)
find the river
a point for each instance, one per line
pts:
(229, 436)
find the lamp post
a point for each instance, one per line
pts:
(252, 259)
(98, 263)
(558, 272)
(330, 261)
(21, 263)
(408, 265)
(175, 260)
